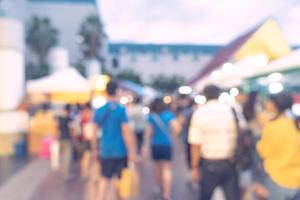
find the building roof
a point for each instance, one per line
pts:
(266, 38)
(224, 55)
(115, 48)
(64, 1)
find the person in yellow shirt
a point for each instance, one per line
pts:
(279, 149)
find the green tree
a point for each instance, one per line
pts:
(130, 75)
(40, 37)
(80, 68)
(90, 37)
(166, 83)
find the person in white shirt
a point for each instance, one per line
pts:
(138, 120)
(213, 138)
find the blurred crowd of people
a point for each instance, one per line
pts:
(249, 147)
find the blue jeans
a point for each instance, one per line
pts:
(278, 192)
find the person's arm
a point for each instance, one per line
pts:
(94, 141)
(130, 141)
(74, 139)
(195, 159)
(57, 131)
(194, 138)
(147, 140)
(176, 126)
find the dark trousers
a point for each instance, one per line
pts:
(219, 173)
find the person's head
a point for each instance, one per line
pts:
(211, 92)
(157, 105)
(65, 110)
(87, 106)
(242, 97)
(279, 103)
(184, 101)
(137, 100)
(45, 107)
(68, 108)
(78, 107)
(112, 87)
(249, 105)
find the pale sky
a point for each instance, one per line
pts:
(195, 21)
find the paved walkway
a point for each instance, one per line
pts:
(37, 182)
(10, 166)
(24, 183)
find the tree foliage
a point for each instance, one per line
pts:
(41, 37)
(166, 83)
(80, 68)
(91, 36)
(130, 75)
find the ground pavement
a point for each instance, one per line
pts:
(37, 182)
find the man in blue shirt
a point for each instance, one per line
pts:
(117, 144)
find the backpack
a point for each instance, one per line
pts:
(244, 146)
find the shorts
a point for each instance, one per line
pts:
(162, 153)
(112, 167)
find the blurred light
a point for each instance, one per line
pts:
(215, 74)
(124, 100)
(167, 99)
(97, 102)
(296, 109)
(146, 110)
(226, 98)
(79, 39)
(227, 68)
(185, 90)
(234, 92)
(275, 77)
(200, 99)
(100, 82)
(262, 60)
(275, 88)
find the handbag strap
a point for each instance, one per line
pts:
(106, 114)
(157, 120)
(236, 119)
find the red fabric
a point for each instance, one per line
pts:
(86, 116)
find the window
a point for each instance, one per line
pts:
(115, 63)
(154, 57)
(133, 58)
(195, 57)
(175, 57)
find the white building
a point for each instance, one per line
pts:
(148, 59)
(65, 15)
(154, 59)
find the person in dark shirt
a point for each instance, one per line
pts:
(66, 139)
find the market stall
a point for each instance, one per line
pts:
(65, 86)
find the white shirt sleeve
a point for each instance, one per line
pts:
(195, 133)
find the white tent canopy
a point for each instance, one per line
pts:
(66, 80)
(288, 62)
(235, 75)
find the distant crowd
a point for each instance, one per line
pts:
(249, 147)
